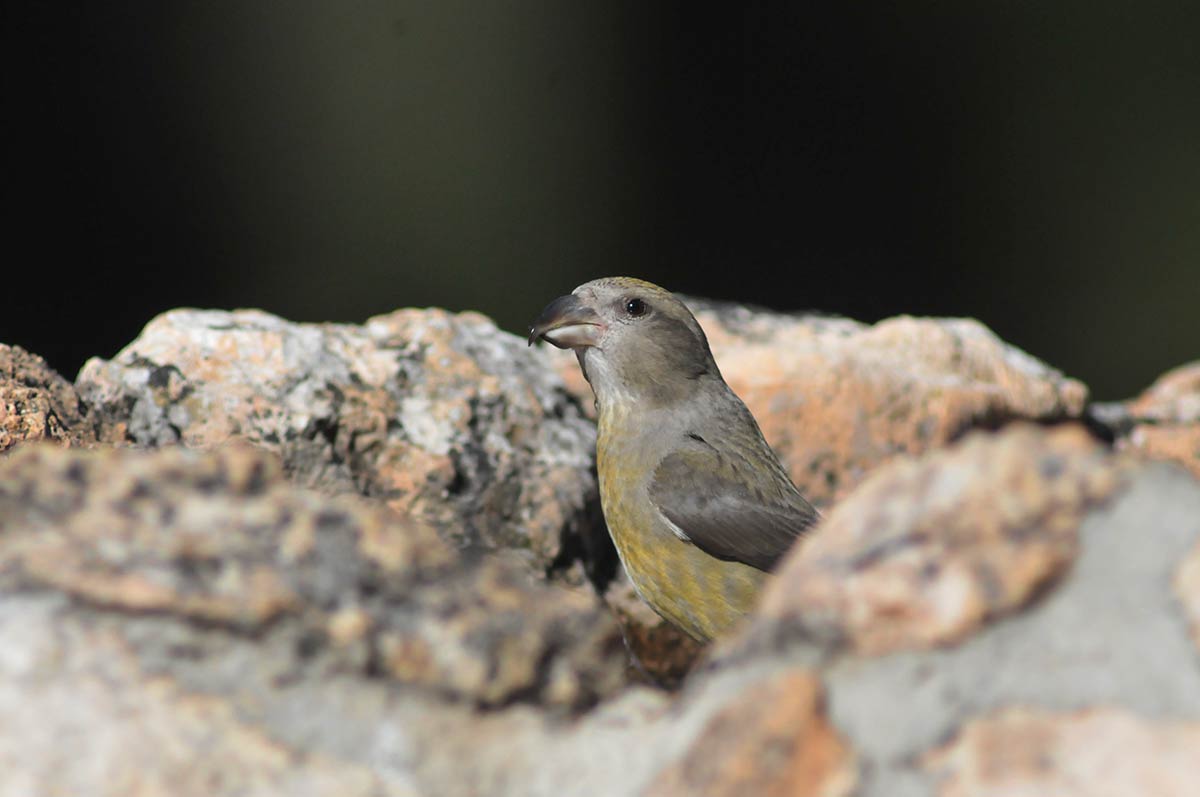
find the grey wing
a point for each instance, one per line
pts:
(729, 507)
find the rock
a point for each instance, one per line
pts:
(1100, 752)
(221, 541)
(772, 740)
(1178, 444)
(1106, 635)
(1018, 613)
(1187, 590)
(38, 404)
(368, 656)
(1174, 397)
(925, 552)
(836, 398)
(81, 718)
(1164, 422)
(433, 414)
(662, 655)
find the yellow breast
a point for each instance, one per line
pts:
(699, 593)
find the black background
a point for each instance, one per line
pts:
(1033, 165)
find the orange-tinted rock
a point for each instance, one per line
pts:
(1179, 444)
(771, 740)
(1165, 420)
(219, 539)
(925, 551)
(836, 398)
(437, 415)
(38, 404)
(1187, 590)
(1173, 398)
(1101, 752)
(661, 653)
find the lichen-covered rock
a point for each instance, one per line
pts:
(38, 404)
(437, 415)
(189, 623)
(1100, 752)
(220, 540)
(837, 398)
(924, 552)
(1015, 614)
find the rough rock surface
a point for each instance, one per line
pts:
(1018, 614)
(836, 398)
(1083, 644)
(662, 654)
(925, 552)
(219, 541)
(38, 404)
(1094, 753)
(432, 413)
(772, 741)
(129, 669)
(1164, 422)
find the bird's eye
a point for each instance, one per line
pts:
(635, 307)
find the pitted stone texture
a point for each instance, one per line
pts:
(438, 415)
(1101, 752)
(773, 740)
(306, 698)
(38, 404)
(925, 552)
(836, 398)
(219, 539)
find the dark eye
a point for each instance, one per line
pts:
(635, 307)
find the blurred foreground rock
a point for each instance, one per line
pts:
(926, 551)
(187, 623)
(349, 607)
(219, 542)
(1164, 422)
(1087, 753)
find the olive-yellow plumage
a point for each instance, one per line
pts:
(698, 505)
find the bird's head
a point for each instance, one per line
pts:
(634, 340)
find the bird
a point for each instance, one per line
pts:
(699, 507)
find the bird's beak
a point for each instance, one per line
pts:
(567, 323)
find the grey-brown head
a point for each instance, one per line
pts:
(634, 340)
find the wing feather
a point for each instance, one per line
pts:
(736, 508)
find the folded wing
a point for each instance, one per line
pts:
(735, 507)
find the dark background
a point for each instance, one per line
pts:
(1034, 165)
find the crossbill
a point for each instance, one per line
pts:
(697, 503)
